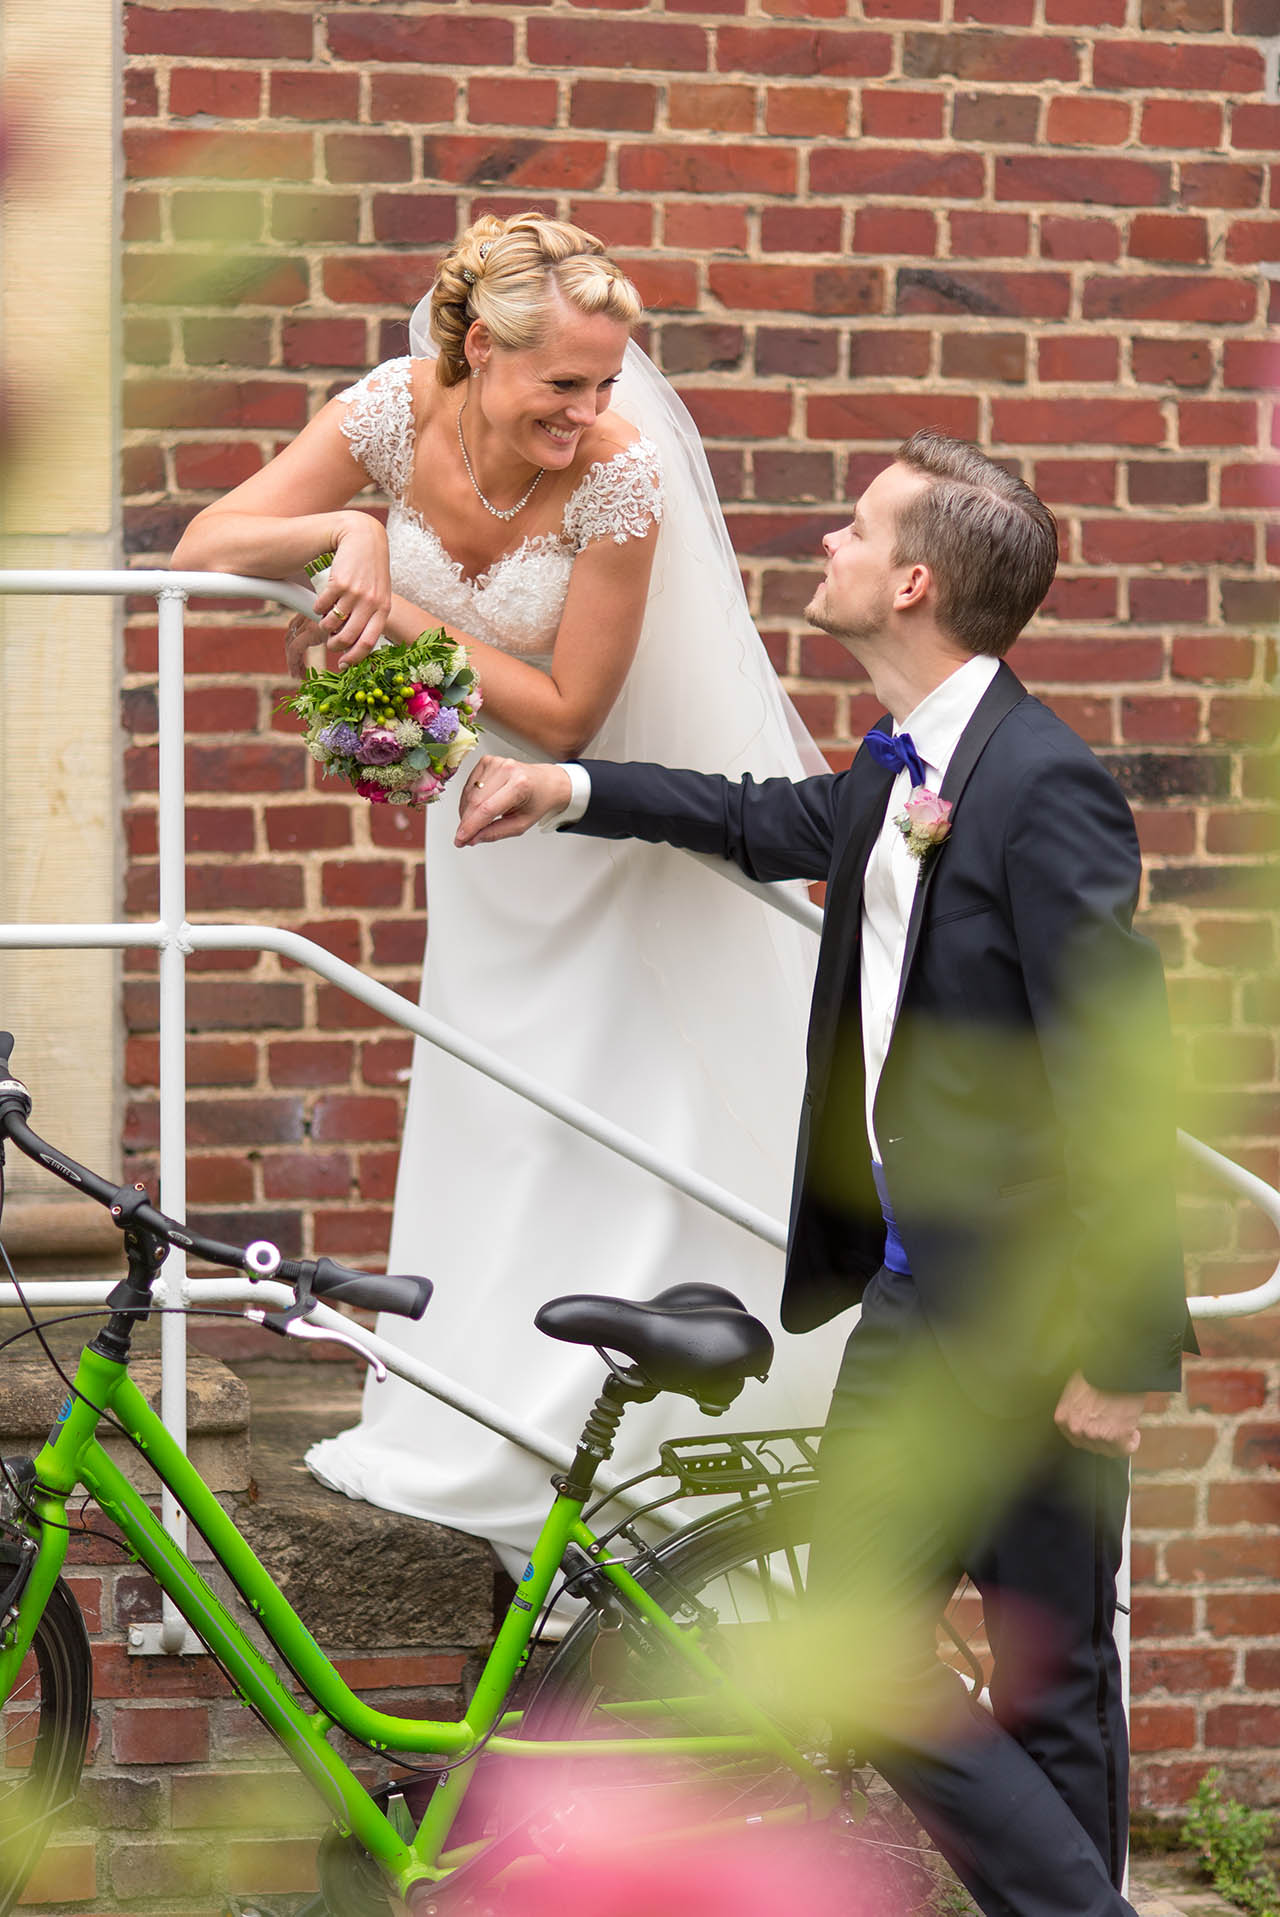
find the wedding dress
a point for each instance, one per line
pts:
(624, 975)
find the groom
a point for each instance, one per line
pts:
(984, 1162)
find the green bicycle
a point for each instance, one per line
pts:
(649, 1689)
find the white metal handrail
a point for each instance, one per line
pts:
(174, 937)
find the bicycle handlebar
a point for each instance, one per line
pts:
(403, 1295)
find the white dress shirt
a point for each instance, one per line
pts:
(892, 874)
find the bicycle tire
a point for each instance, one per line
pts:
(747, 1566)
(44, 1726)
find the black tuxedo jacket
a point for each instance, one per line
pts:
(1024, 1113)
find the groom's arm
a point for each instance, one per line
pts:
(772, 829)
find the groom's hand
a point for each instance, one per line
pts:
(1101, 1421)
(504, 797)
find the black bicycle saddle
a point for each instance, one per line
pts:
(696, 1339)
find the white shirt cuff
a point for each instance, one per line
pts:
(579, 799)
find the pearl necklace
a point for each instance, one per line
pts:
(489, 507)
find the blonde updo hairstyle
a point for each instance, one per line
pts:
(504, 271)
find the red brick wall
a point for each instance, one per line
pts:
(1048, 224)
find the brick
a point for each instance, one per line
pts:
(1217, 422)
(1168, 1447)
(618, 106)
(323, 342)
(1160, 1614)
(1255, 127)
(890, 113)
(308, 827)
(805, 111)
(306, 1175)
(225, 278)
(1256, 485)
(309, 1062)
(817, 229)
(218, 33)
(363, 37)
(1215, 657)
(618, 223)
(1217, 183)
(890, 417)
(66, 1873)
(1073, 422)
(1078, 239)
(507, 100)
(877, 355)
(1005, 58)
(1193, 124)
(1004, 13)
(1252, 242)
(802, 352)
(176, 403)
(927, 289)
(214, 467)
(1089, 661)
(396, 942)
(417, 99)
(1162, 1727)
(1164, 1507)
(1238, 1726)
(739, 412)
(693, 167)
(995, 119)
(1165, 67)
(339, 936)
(1044, 178)
(709, 226)
(1251, 362)
(840, 291)
(1247, 602)
(157, 153)
(1173, 362)
(1084, 357)
(385, 1061)
(473, 160)
(1169, 237)
(229, 339)
(896, 172)
(988, 235)
(230, 1005)
(1170, 297)
(694, 106)
(1217, 1557)
(1235, 833)
(1168, 482)
(1075, 121)
(702, 349)
(857, 55)
(160, 1734)
(356, 159)
(1172, 541)
(141, 96)
(223, 93)
(985, 356)
(373, 279)
(1162, 719)
(315, 218)
(793, 475)
(413, 218)
(313, 96)
(879, 230)
(656, 45)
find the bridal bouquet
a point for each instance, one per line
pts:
(397, 724)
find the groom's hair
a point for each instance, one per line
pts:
(990, 543)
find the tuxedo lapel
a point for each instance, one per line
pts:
(837, 953)
(1002, 695)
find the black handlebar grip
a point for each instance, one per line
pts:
(405, 1296)
(6, 1046)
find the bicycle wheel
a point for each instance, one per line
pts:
(735, 1579)
(44, 1731)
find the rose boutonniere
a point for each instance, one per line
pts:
(924, 822)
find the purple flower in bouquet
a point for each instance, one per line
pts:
(342, 739)
(443, 727)
(378, 745)
(422, 705)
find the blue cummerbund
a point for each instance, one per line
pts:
(895, 1252)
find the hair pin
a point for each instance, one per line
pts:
(468, 276)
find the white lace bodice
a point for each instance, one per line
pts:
(516, 604)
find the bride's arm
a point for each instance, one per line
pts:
(259, 529)
(560, 711)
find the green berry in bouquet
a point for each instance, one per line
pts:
(398, 723)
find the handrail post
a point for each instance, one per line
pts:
(171, 826)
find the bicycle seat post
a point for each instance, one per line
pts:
(595, 1446)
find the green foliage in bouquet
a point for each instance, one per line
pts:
(396, 724)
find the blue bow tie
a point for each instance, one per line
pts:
(895, 754)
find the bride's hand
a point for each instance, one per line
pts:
(302, 634)
(504, 797)
(355, 603)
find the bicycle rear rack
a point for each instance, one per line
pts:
(743, 1460)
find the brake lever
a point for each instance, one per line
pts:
(289, 1327)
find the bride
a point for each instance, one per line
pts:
(552, 506)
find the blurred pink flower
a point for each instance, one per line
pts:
(422, 705)
(377, 794)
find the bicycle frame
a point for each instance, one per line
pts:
(73, 1456)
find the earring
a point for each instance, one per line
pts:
(475, 370)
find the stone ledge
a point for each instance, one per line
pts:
(32, 1394)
